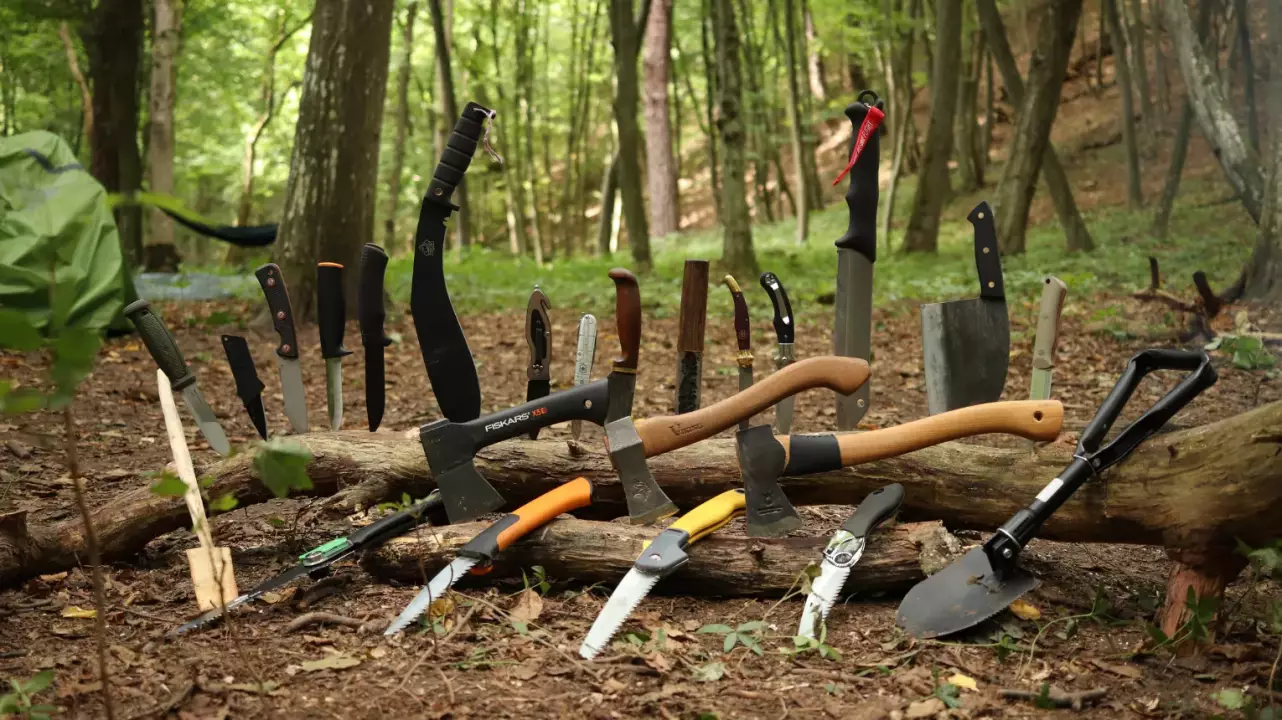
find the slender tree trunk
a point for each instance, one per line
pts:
(990, 108)
(1161, 77)
(1139, 70)
(1046, 71)
(159, 252)
(1248, 74)
(525, 47)
(447, 107)
(1102, 41)
(9, 90)
(660, 166)
(966, 142)
(403, 74)
(625, 37)
(1125, 86)
(330, 198)
(922, 234)
(814, 192)
(513, 197)
(609, 217)
(760, 133)
(901, 110)
(736, 249)
(112, 36)
(814, 60)
(1077, 237)
(1180, 146)
(708, 48)
(799, 147)
(1262, 278)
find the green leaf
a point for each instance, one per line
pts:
(74, 353)
(753, 626)
(224, 503)
(169, 485)
(710, 672)
(39, 682)
(1229, 699)
(276, 522)
(17, 332)
(731, 639)
(1043, 700)
(281, 465)
(715, 629)
(23, 400)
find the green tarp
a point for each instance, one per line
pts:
(55, 225)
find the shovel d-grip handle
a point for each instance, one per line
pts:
(1091, 458)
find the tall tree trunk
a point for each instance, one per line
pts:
(661, 171)
(112, 36)
(736, 247)
(901, 108)
(966, 142)
(608, 228)
(1262, 278)
(1102, 41)
(1212, 111)
(922, 234)
(1076, 236)
(990, 109)
(333, 172)
(1161, 78)
(1180, 146)
(814, 60)
(708, 48)
(159, 252)
(525, 48)
(447, 107)
(814, 191)
(760, 132)
(403, 74)
(625, 37)
(1248, 73)
(1126, 88)
(1046, 71)
(513, 197)
(1139, 70)
(799, 147)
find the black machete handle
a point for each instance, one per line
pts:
(248, 385)
(862, 195)
(161, 344)
(273, 284)
(988, 262)
(785, 325)
(458, 152)
(331, 310)
(369, 297)
(878, 506)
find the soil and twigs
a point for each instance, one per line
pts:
(1081, 642)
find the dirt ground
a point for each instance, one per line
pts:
(479, 664)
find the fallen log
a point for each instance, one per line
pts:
(723, 564)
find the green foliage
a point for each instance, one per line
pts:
(224, 503)
(1248, 352)
(169, 485)
(537, 580)
(20, 701)
(281, 465)
(746, 634)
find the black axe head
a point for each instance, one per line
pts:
(450, 452)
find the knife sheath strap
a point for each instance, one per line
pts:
(812, 454)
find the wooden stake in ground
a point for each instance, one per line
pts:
(212, 573)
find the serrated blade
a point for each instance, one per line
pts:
(629, 593)
(291, 387)
(205, 420)
(442, 582)
(217, 613)
(334, 391)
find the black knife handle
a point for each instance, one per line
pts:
(273, 284)
(862, 195)
(458, 152)
(878, 507)
(331, 310)
(627, 316)
(369, 297)
(988, 262)
(398, 523)
(742, 323)
(248, 385)
(784, 323)
(162, 346)
(584, 402)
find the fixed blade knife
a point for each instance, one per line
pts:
(584, 357)
(249, 388)
(743, 337)
(370, 315)
(538, 335)
(692, 322)
(291, 373)
(1052, 304)
(785, 334)
(164, 350)
(331, 320)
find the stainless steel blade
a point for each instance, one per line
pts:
(291, 387)
(966, 352)
(629, 593)
(584, 356)
(745, 382)
(823, 595)
(205, 420)
(852, 332)
(334, 391)
(783, 357)
(442, 582)
(1041, 387)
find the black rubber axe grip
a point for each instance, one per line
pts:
(331, 310)
(369, 296)
(162, 346)
(862, 195)
(273, 284)
(785, 324)
(458, 152)
(248, 385)
(808, 454)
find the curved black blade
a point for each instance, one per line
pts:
(254, 406)
(960, 596)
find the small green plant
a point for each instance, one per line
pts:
(537, 580)
(746, 634)
(21, 701)
(802, 644)
(281, 465)
(1195, 628)
(1248, 352)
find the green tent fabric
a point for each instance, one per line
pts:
(54, 217)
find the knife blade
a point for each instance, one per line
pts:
(1052, 304)
(450, 367)
(743, 336)
(857, 251)
(584, 356)
(844, 551)
(164, 350)
(659, 559)
(291, 374)
(785, 333)
(315, 563)
(693, 319)
(249, 388)
(538, 335)
(496, 538)
(370, 314)
(331, 320)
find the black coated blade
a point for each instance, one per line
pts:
(960, 596)
(374, 390)
(254, 406)
(762, 460)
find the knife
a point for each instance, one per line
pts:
(164, 350)
(584, 356)
(291, 374)
(370, 314)
(743, 335)
(450, 367)
(248, 387)
(315, 563)
(693, 318)
(785, 328)
(857, 250)
(844, 550)
(331, 318)
(659, 559)
(480, 550)
(1053, 292)
(538, 335)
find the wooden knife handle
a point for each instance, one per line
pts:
(694, 306)
(627, 316)
(1052, 304)
(840, 374)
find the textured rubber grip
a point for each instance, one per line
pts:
(248, 385)
(331, 310)
(785, 324)
(812, 454)
(878, 507)
(369, 297)
(627, 315)
(458, 152)
(862, 195)
(162, 346)
(273, 284)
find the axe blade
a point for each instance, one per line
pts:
(647, 503)
(465, 493)
(762, 460)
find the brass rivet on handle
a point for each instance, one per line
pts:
(991, 283)
(985, 249)
(271, 282)
(439, 191)
(284, 348)
(280, 315)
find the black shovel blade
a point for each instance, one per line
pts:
(960, 596)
